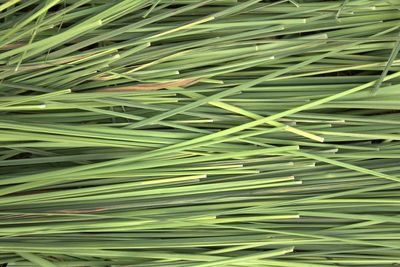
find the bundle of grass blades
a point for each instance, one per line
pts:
(194, 133)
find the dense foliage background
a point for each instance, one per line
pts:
(199, 133)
